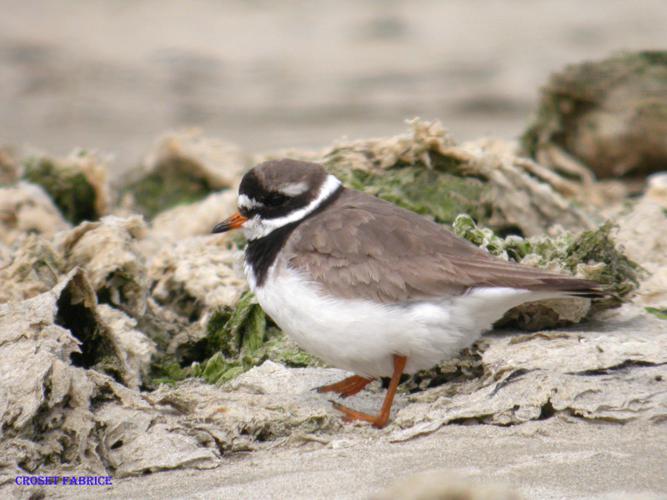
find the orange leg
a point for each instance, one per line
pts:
(346, 387)
(380, 420)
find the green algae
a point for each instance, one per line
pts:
(67, 185)
(439, 190)
(660, 313)
(243, 338)
(441, 196)
(237, 339)
(174, 183)
(592, 254)
(166, 370)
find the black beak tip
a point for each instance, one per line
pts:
(223, 227)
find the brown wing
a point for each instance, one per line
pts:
(363, 247)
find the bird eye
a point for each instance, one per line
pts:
(275, 199)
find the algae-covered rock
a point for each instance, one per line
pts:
(26, 209)
(188, 281)
(590, 255)
(608, 115)
(427, 172)
(108, 250)
(77, 184)
(196, 275)
(182, 169)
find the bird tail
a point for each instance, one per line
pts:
(575, 287)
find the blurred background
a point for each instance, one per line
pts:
(113, 75)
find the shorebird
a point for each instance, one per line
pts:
(368, 286)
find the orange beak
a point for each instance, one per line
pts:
(232, 222)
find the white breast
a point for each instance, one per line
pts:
(361, 336)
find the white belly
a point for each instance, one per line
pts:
(362, 336)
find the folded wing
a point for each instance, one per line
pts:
(367, 248)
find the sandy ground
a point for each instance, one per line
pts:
(266, 75)
(541, 460)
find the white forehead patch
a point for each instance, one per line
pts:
(294, 188)
(244, 201)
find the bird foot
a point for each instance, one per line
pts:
(354, 384)
(350, 415)
(346, 387)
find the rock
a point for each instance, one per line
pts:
(77, 184)
(656, 190)
(109, 343)
(45, 400)
(608, 115)
(132, 346)
(137, 442)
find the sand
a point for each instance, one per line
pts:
(541, 460)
